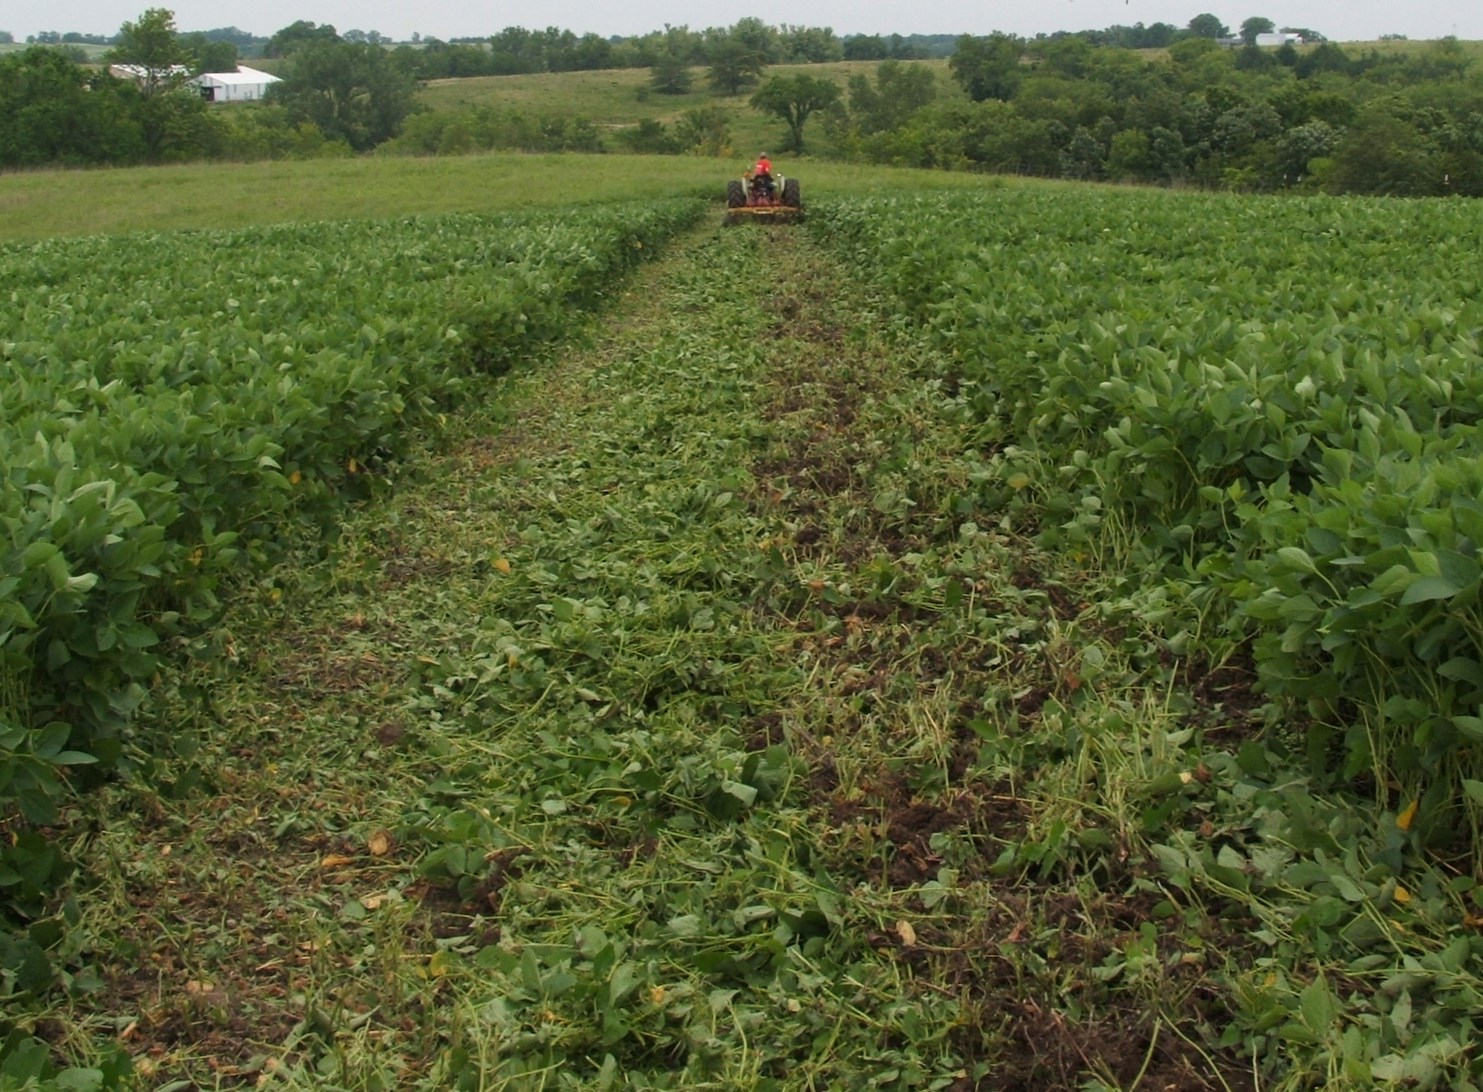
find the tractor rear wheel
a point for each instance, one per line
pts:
(792, 197)
(736, 194)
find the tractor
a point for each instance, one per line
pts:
(763, 197)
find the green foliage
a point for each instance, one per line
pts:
(1206, 25)
(1303, 450)
(350, 91)
(663, 896)
(899, 91)
(176, 435)
(65, 115)
(1221, 119)
(670, 75)
(175, 126)
(299, 33)
(808, 45)
(703, 130)
(1129, 156)
(988, 68)
(1386, 154)
(1254, 26)
(150, 42)
(60, 113)
(1286, 467)
(1211, 117)
(491, 129)
(170, 115)
(649, 137)
(735, 64)
(795, 680)
(26, 1066)
(259, 132)
(209, 54)
(795, 99)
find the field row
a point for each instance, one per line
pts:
(1273, 408)
(175, 402)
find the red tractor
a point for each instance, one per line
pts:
(763, 196)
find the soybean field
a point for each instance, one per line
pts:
(1012, 638)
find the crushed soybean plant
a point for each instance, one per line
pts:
(1023, 640)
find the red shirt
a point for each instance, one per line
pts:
(764, 165)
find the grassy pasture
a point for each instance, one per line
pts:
(621, 98)
(94, 52)
(1408, 47)
(615, 96)
(44, 204)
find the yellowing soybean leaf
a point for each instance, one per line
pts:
(1407, 817)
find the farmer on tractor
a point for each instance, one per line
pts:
(762, 174)
(760, 196)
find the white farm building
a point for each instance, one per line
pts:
(243, 85)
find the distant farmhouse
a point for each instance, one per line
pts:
(243, 85)
(145, 76)
(1275, 40)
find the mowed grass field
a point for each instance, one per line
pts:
(46, 204)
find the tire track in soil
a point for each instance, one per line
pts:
(844, 400)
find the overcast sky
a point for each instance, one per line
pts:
(1341, 20)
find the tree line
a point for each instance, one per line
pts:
(1215, 111)
(520, 51)
(62, 113)
(1244, 118)
(517, 51)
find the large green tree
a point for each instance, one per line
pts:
(152, 44)
(670, 74)
(351, 91)
(1206, 25)
(988, 68)
(758, 37)
(809, 45)
(171, 115)
(1385, 153)
(57, 112)
(735, 63)
(901, 88)
(209, 54)
(1254, 26)
(795, 98)
(297, 34)
(865, 47)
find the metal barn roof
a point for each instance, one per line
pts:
(242, 76)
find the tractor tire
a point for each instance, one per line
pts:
(736, 194)
(792, 197)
